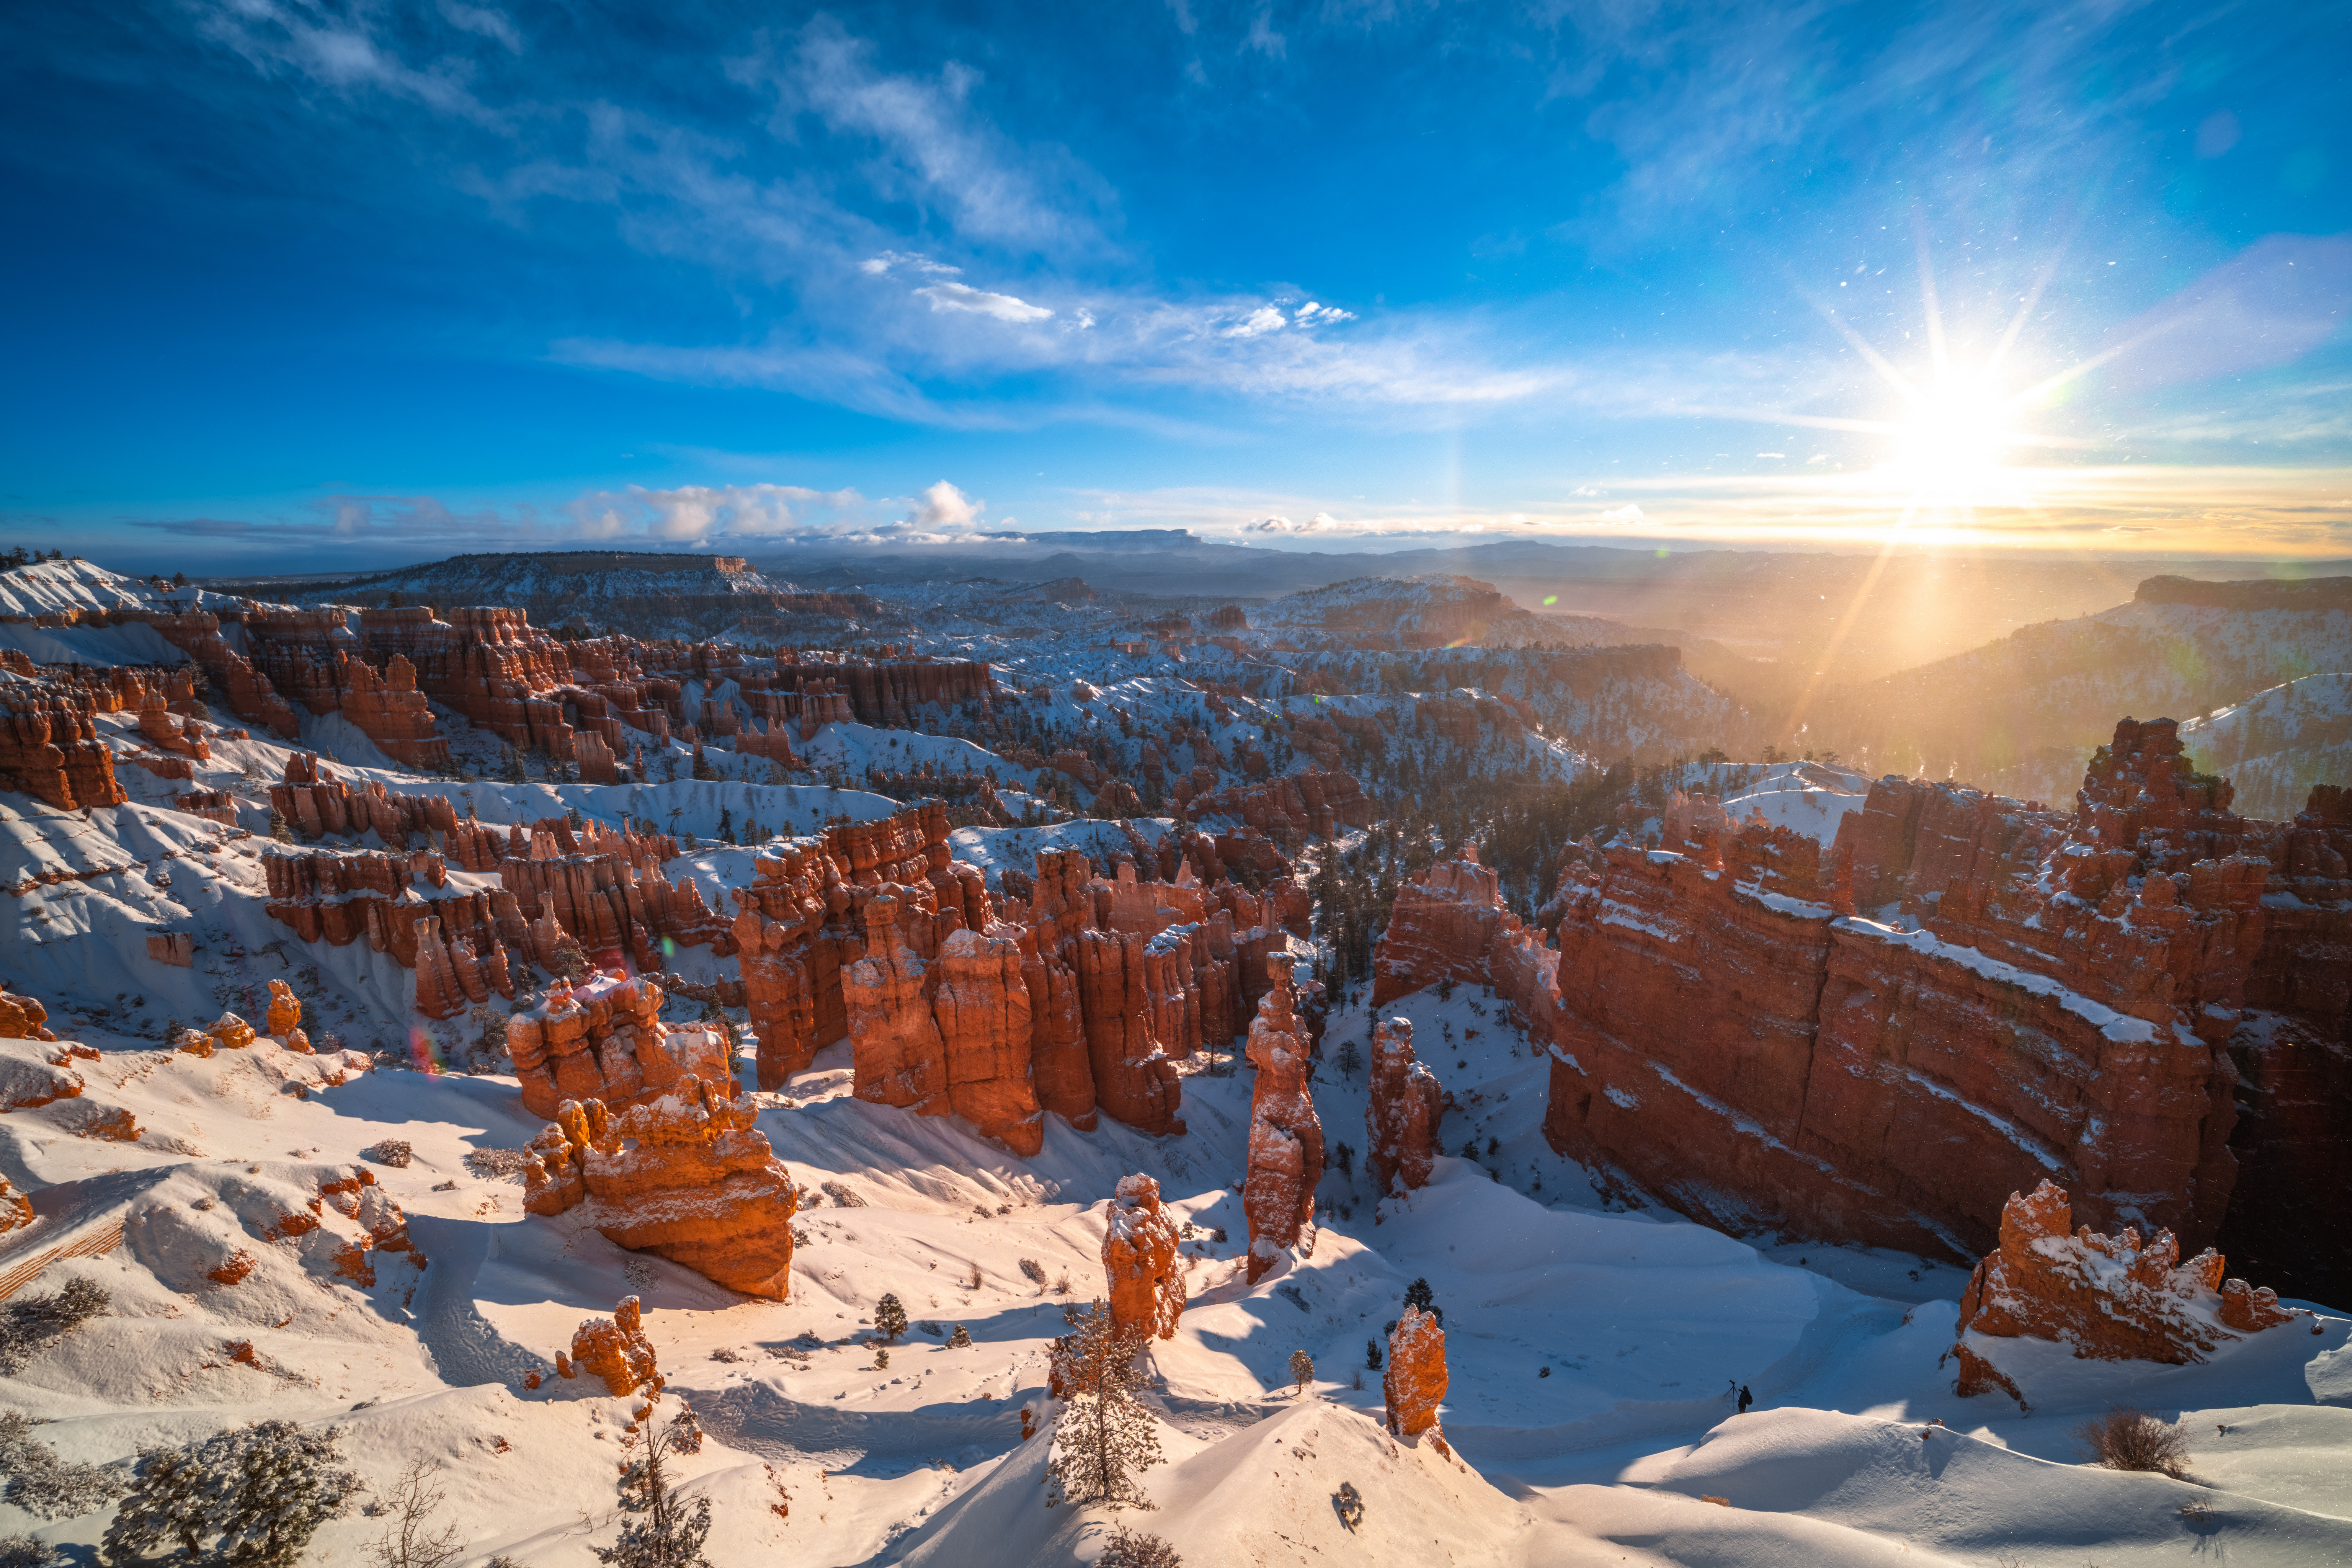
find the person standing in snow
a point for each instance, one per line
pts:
(1746, 1399)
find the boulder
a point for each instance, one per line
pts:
(22, 1018)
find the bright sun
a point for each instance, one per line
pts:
(1949, 450)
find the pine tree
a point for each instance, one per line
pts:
(1419, 1294)
(1371, 1355)
(277, 828)
(667, 1534)
(1302, 1368)
(257, 1494)
(1104, 1432)
(889, 1318)
(961, 1340)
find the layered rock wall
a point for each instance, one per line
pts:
(2020, 995)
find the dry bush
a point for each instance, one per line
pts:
(1134, 1549)
(2126, 1438)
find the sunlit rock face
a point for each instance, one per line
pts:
(1403, 1115)
(1286, 1136)
(1140, 1263)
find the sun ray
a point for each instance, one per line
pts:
(1935, 350)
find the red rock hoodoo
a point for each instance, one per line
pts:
(604, 1039)
(1401, 1117)
(1413, 1380)
(614, 1348)
(1147, 1281)
(1286, 1136)
(687, 1175)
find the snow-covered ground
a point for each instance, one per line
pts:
(1590, 1349)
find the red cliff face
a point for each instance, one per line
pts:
(1145, 1280)
(1134, 1079)
(1401, 1117)
(1286, 1136)
(894, 1042)
(2112, 1297)
(2023, 995)
(980, 1001)
(1441, 929)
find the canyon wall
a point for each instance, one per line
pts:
(1965, 996)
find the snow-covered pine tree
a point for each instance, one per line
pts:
(1104, 1434)
(257, 1494)
(666, 1533)
(889, 1318)
(1302, 1368)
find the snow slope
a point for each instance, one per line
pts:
(2278, 744)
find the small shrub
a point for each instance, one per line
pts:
(1031, 1270)
(1349, 1504)
(24, 1551)
(29, 1324)
(2130, 1439)
(1137, 1549)
(961, 1340)
(42, 1484)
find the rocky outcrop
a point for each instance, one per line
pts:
(50, 747)
(285, 1018)
(37, 1072)
(1401, 1117)
(2112, 1297)
(895, 1045)
(614, 1348)
(1145, 1278)
(604, 1039)
(1413, 1380)
(1286, 1136)
(1442, 928)
(687, 1175)
(1964, 995)
(23, 1018)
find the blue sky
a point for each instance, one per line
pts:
(290, 284)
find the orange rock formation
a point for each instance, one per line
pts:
(604, 1039)
(687, 1175)
(1414, 1380)
(614, 1348)
(1286, 1136)
(1147, 1281)
(2111, 1297)
(1401, 1116)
